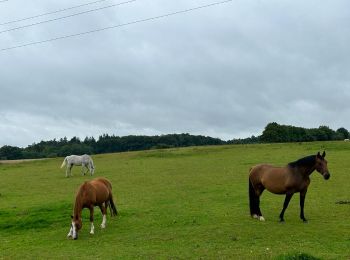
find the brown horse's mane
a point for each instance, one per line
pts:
(308, 161)
(78, 205)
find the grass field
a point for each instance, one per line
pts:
(189, 203)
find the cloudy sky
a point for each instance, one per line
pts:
(223, 71)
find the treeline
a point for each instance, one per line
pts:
(273, 133)
(104, 144)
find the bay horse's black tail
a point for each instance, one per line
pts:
(112, 207)
(252, 199)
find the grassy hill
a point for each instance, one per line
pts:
(188, 203)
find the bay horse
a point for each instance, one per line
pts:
(287, 180)
(97, 192)
(84, 160)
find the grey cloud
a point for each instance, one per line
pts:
(225, 71)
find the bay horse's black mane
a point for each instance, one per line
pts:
(308, 161)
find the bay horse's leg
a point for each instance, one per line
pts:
(92, 219)
(302, 200)
(285, 205)
(254, 200)
(104, 215)
(260, 190)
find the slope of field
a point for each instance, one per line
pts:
(187, 203)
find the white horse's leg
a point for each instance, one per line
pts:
(70, 169)
(82, 169)
(104, 219)
(91, 169)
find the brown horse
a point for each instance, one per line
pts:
(284, 180)
(97, 192)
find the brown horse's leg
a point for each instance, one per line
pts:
(260, 190)
(92, 219)
(254, 200)
(285, 205)
(302, 200)
(104, 214)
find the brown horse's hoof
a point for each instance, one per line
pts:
(255, 216)
(261, 218)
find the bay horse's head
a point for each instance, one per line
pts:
(76, 226)
(321, 165)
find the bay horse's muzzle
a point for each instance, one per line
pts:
(326, 175)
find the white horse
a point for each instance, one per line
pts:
(84, 160)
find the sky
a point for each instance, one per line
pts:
(224, 71)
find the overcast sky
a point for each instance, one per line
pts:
(223, 71)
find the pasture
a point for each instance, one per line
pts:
(188, 203)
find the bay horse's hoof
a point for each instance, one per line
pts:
(255, 216)
(282, 220)
(261, 218)
(305, 221)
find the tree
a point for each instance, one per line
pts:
(10, 153)
(343, 133)
(274, 133)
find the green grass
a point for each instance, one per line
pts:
(189, 203)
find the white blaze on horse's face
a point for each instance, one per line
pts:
(70, 233)
(74, 231)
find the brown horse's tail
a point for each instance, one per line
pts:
(112, 207)
(252, 199)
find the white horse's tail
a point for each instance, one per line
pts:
(64, 162)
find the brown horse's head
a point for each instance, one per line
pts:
(321, 165)
(76, 226)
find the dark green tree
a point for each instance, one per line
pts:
(343, 133)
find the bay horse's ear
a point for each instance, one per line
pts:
(324, 154)
(318, 155)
